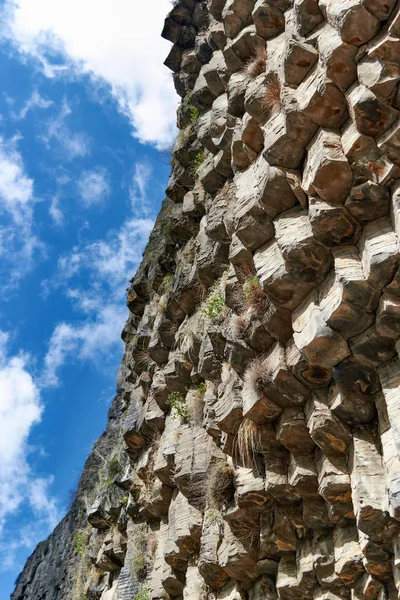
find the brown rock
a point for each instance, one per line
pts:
(326, 171)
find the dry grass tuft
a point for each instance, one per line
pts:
(254, 296)
(220, 487)
(240, 325)
(247, 531)
(258, 373)
(215, 490)
(142, 360)
(272, 98)
(248, 444)
(256, 65)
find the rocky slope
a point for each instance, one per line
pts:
(252, 449)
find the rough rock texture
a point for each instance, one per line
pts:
(253, 447)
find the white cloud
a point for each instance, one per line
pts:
(55, 211)
(115, 259)
(104, 266)
(18, 243)
(91, 340)
(138, 189)
(71, 144)
(35, 101)
(93, 187)
(118, 43)
(16, 189)
(20, 411)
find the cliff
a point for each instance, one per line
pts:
(252, 448)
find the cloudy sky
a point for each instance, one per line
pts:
(87, 114)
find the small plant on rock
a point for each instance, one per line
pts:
(177, 402)
(248, 443)
(201, 389)
(142, 594)
(191, 108)
(256, 65)
(81, 539)
(220, 487)
(214, 304)
(272, 97)
(253, 294)
(259, 374)
(198, 160)
(140, 565)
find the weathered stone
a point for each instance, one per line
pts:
(326, 170)
(281, 147)
(368, 482)
(389, 142)
(228, 408)
(279, 383)
(343, 316)
(276, 478)
(379, 249)
(322, 100)
(330, 434)
(372, 116)
(250, 489)
(318, 343)
(292, 432)
(313, 376)
(380, 77)
(334, 487)
(307, 15)
(286, 580)
(299, 59)
(257, 406)
(236, 91)
(339, 57)
(234, 558)
(277, 532)
(209, 568)
(368, 201)
(389, 439)
(268, 19)
(284, 288)
(332, 225)
(236, 15)
(348, 556)
(259, 388)
(252, 225)
(354, 22)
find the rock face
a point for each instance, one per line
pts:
(253, 447)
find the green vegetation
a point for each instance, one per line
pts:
(81, 539)
(166, 284)
(189, 106)
(108, 473)
(198, 160)
(202, 388)
(177, 402)
(142, 594)
(214, 304)
(140, 565)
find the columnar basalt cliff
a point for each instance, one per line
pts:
(253, 448)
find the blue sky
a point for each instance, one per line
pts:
(87, 114)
